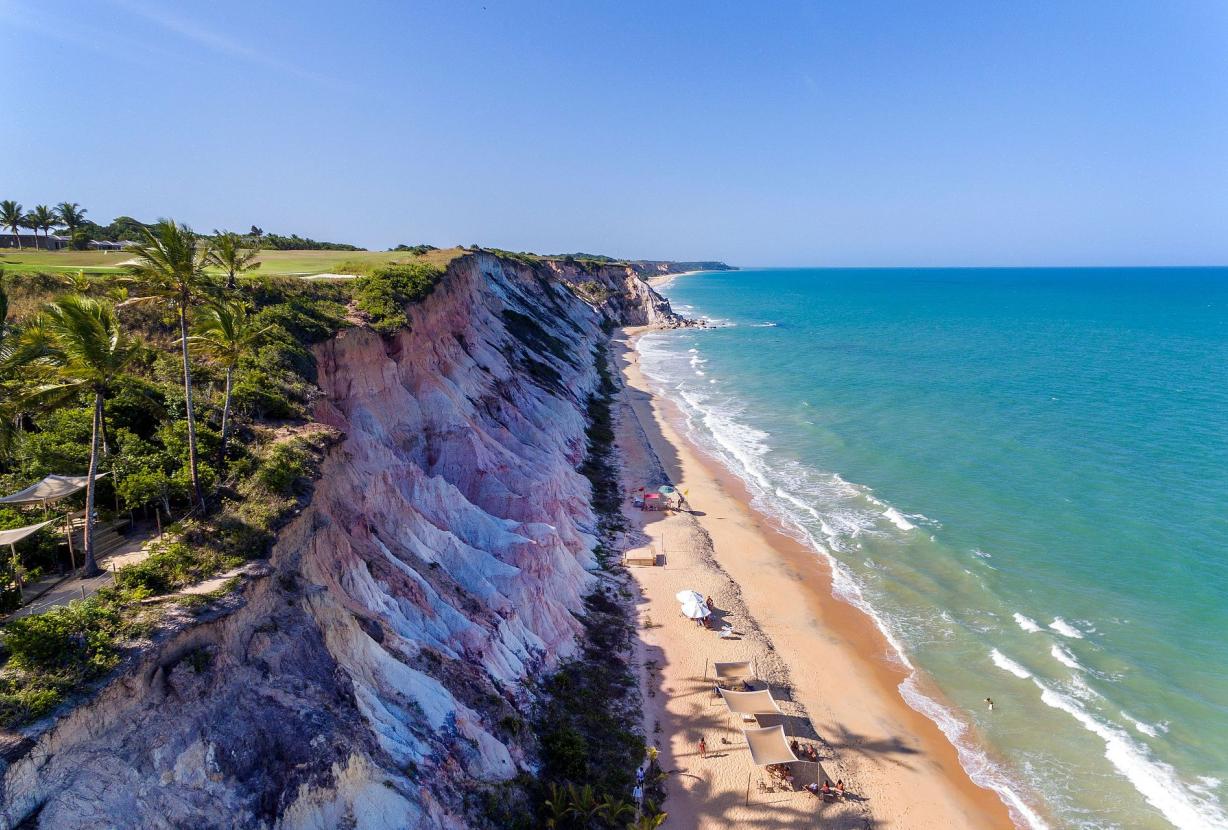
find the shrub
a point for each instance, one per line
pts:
(383, 294)
(282, 469)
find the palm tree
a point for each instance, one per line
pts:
(11, 217)
(228, 253)
(71, 216)
(42, 218)
(8, 409)
(170, 268)
(649, 821)
(84, 349)
(224, 332)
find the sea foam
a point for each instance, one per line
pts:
(1007, 664)
(1155, 780)
(1027, 623)
(1065, 629)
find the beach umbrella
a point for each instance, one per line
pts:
(689, 596)
(695, 610)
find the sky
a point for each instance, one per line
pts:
(787, 133)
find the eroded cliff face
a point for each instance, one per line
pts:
(372, 671)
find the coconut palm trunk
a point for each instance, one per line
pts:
(90, 567)
(221, 453)
(187, 396)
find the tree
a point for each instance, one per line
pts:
(85, 349)
(71, 216)
(42, 218)
(228, 253)
(170, 268)
(256, 232)
(12, 217)
(224, 332)
(9, 411)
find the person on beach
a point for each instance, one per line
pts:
(708, 602)
(639, 775)
(989, 700)
(840, 788)
(796, 747)
(638, 794)
(703, 747)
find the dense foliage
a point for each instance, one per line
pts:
(383, 294)
(145, 448)
(294, 242)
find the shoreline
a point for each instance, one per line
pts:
(825, 660)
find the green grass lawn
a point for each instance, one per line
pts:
(57, 262)
(272, 262)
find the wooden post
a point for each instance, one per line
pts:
(17, 569)
(72, 556)
(748, 775)
(705, 668)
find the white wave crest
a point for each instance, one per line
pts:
(1007, 664)
(1064, 657)
(1157, 781)
(1065, 629)
(897, 519)
(1027, 623)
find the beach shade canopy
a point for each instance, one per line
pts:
(12, 537)
(751, 703)
(666, 490)
(734, 671)
(695, 610)
(769, 746)
(689, 596)
(52, 488)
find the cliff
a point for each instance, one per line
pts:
(374, 669)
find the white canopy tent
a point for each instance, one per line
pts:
(51, 489)
(769, 746)
(760, 702)
(12, 537)
(15, 535)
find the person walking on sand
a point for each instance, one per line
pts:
(703, 747)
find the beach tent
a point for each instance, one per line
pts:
(51, 489)
(689, 596)
(751, 703)
(769, 746)
(734, 671)
(12, 537)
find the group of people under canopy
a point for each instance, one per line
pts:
(769, 746)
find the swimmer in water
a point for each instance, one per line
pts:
(989, 700)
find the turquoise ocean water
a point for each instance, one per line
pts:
(1023, 475)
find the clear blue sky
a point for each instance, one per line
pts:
(826, 133)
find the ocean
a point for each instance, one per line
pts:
(1022, 474)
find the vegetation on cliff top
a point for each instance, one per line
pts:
(64, 413)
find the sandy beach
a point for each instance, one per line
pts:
(825, 662)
